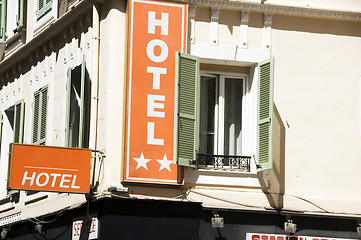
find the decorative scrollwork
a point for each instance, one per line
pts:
(223, 162)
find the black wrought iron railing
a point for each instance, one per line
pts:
(223, 162)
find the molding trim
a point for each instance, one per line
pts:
(277, 9)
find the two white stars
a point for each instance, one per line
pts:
(164, 163)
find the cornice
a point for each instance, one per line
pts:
(278, 9)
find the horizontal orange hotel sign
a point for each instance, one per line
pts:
(46, 168)
(157, 30)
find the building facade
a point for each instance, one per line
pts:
(206, 119)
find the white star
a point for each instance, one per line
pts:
(142, 162)
(165, 163)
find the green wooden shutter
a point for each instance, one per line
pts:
(40, 109)
(44, 6)
(265, 112)
(36, 110)
(18, 122)
(44, 114)
(186, 123)
(2, 21)
(20, 17)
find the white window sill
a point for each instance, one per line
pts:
(14, 43)
(6, 206)
(35, 197)
(43, 22)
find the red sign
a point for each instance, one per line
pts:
(157, 30)
(45, 168)
(262, 236)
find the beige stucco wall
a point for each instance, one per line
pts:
(112, 72)
(316, 116)
(317, 91)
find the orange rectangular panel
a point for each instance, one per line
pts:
(157, 30)
(46, 168)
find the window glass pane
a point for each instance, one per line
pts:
(11, 18)
(74, 104)
(207, 115)
(233, 116)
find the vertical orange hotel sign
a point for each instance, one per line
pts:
(157, 30)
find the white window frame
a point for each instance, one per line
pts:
(12, 8)
(45, 20)
(249, 106)
(7, 137)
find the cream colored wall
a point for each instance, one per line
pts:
(316, 117)
(112, 90)
(317, 91)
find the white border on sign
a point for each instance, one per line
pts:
(130, 79)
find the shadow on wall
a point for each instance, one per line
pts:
(276, 176)
(321, 26)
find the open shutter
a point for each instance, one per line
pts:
(36, 110)
(185, 126)
(265, 112)
(40, 116)
(20, 17)
(44, 114)
(44, 6)
(18, 122)
(2, 21)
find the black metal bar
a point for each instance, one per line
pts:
(224, 162)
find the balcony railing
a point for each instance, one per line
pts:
(223, 162)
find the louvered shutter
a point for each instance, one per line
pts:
(40, 116)
(2, 21)
(18, 122)
(20, 17)
(186, 132)
(265, 112)
(44, 6)
(36, 110)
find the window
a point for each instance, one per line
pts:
(210, 112)
(15, 115)
(40, 108)
(43, 7)
(11, 130)
(78, 107)
(220, 124)
(11, 18)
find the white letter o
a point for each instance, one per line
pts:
(163, 50)
(46, 179)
